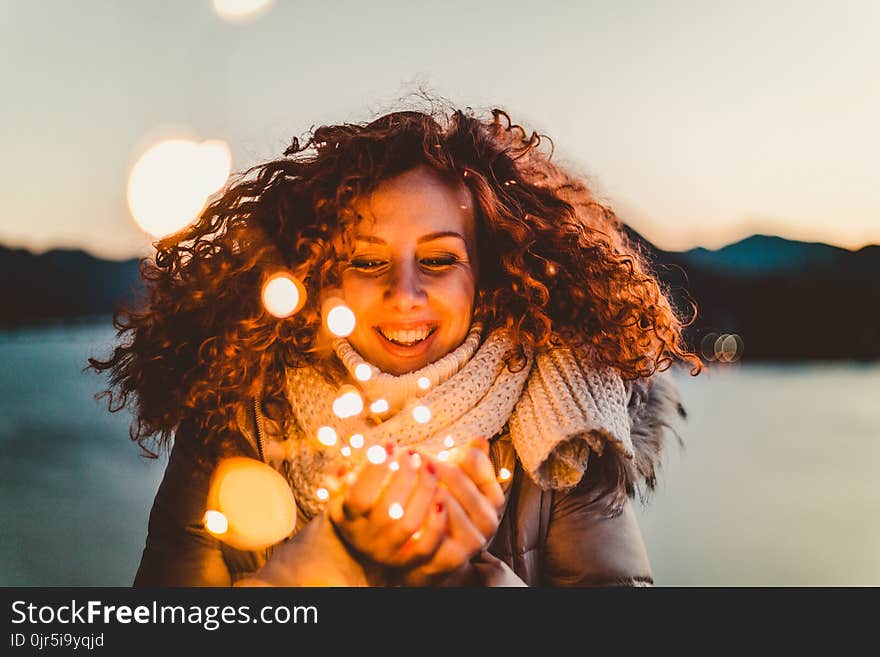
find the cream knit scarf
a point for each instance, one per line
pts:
(557, 408)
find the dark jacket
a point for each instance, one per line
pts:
(586, 536)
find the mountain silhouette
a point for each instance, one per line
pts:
(786, 300)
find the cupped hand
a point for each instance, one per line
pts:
(395, 516)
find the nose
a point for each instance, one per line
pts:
(405, 291)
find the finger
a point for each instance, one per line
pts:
(478, 508)
(425, 542)
(476, 465)
(390, 509)
(422, 495)
(364, 492)
(463, 532)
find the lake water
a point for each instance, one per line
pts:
(776, 485)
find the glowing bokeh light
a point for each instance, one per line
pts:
(339, 317)
(395, 511)
(379, 406)
(421, 414)
(394, 466)
(356, 441)
(283, 295)
(363, 372)
(504, 474)
(424, 382)
(348, 404)
(236, 11)
(255, 500)
(448, 442)
(377, 454)
(322, 494)
(327, 436)
(215, 522)
(170, 183)
(443, 455)
(345, 450)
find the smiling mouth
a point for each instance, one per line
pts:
(408, 338)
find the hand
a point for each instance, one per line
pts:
(475, 500)
(361, 511)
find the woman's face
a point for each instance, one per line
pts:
(412, 276)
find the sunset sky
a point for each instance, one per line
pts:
(700, 122)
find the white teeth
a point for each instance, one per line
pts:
(407, 337)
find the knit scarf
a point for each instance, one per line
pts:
(557, 408)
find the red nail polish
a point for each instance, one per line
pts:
(341, 470)
(439, 507)
(389, 449)
(410, 451)
(431, 467)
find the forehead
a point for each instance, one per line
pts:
(416, 203)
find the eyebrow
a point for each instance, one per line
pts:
(424, 238)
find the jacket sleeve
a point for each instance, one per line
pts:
(179, 551)
(587, 547)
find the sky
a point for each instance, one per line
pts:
(700, 122)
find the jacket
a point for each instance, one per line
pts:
(578, 537)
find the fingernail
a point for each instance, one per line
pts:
(431, 467)
(341, 470)
(389, 449)
(438, 507)
(415, 461)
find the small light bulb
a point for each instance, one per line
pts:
(377, 454)
(322, 494)
(340, 320)
(348, 404)
(421, 414)
(345, 450)
(443, 455)
(283, 295)
(394, 466)
(379, 406)
(357, 440)
(363, 372)
(395, 511)
(448, 442)
(327, 436)
(215, 522)
(424, 382)
(503, 474)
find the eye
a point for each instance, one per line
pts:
(367, 264)
(439, 262)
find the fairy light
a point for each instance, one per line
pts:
(443, 455)
(283, 295)
(415, 460)
(417, 535)
(421, 414)
(356, 441)
(339, 317)
(348, 404)
(363, 372)
(379, 406)
(448, 442)
(424, 382)
(327, 436)
(216, 522)
(377, 454)
(394, 466)
(551, 269)
(503, 474)
(395, 511)
(345, 450)
(322, 494)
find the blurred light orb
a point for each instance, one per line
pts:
(728, 348)
(170, 183)
(503, 474)
(348, 404)
(424, 382)
(394, 466)
(377, 454)
(254, 499)
(421, 414)
(322, 494)
(340, 319)
(379, 406)
(236, 11)
(357, 440)
(363, 372)
(707, 346)
(345, 450)
(327, 436)
(448, 442)
(216, 522)
(443, 455)
(283, 295)
(395, 511)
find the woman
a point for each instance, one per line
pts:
(491, 290)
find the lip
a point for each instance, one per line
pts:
(407, 326)
(416, 351)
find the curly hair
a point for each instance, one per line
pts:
(551, 255)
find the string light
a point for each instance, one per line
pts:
(357, 440)
(349, 403)
(379, 406)
(395, 511)
(322, 494)
(327, 436)
(443, 455)
(377, 454)
(345, 450)
(448, 442)
(394, 466)
(339, 317)
(424, 382)
(363, 372)
(421, 414)
(503, 474)
(216, 522)
(283, 295)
